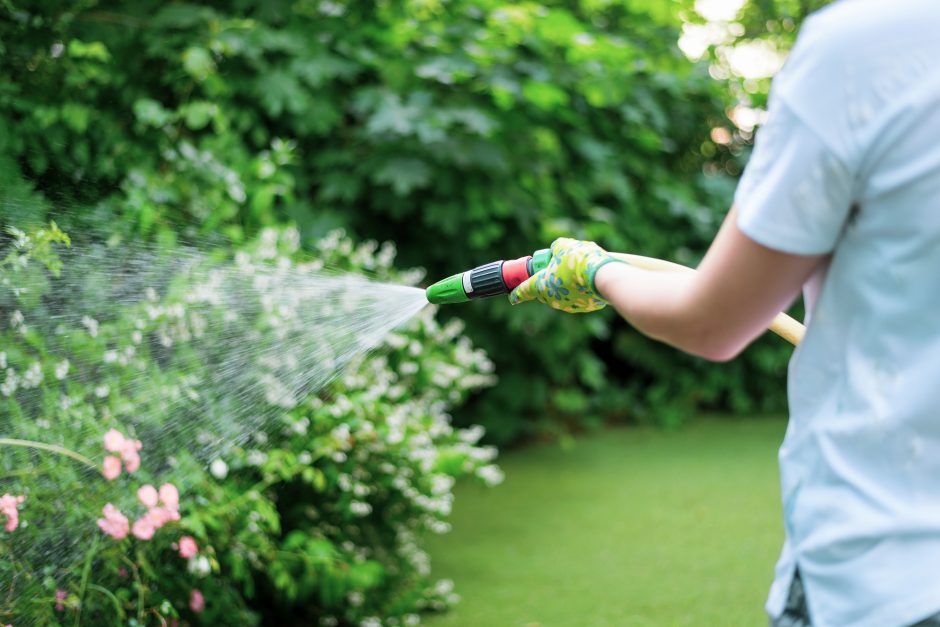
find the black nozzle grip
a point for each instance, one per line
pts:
(487, 280)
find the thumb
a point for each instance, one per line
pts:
(526, 290)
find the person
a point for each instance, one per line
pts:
(841, 197)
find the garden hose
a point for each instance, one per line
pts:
(501, 277)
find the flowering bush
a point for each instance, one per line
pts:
(182, 444)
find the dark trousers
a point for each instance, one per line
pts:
(795, 613)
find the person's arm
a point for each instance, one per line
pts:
(716, 312)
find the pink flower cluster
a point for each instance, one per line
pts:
(8, 504)
(162, 507)
(115, 442)
(197, 602)
(114, 522)
(156, 516)
(187, 547)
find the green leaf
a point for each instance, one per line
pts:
(198, 63)
(96, 50)
(404, 174)
(198, 114)
(318, 70)
(544, 95)
(151, 113)
(280, 91)
(76, 116)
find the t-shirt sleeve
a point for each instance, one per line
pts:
(795, 194)
(797, 188)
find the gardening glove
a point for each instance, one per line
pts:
(567, 283)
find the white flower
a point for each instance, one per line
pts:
(356, 598)
(394, 340)
(110, 356)
(91, 324)
(16, 318)
(256, 458)
(371, 621)
(439, 527)
(441, 484)
(219, 469)
(33, 376)
(199, 565)
(12, 382)
(411, 620)
(491, 475)
(65, 402)
(3, 359)
(137, 337)
(62, 369)
(305, 457)
(471, 435)
(358, 508)
(484, 453)
(102, 391)
(341, 432)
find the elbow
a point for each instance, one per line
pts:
(718, 345)
(717, 353)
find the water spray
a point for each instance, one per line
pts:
(502, 277)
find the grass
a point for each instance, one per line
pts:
(629, 527)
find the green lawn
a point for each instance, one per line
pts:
(631, 526)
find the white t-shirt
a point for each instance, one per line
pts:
(849, 163)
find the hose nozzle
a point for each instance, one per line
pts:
(491, 279)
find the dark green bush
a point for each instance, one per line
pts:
(464, 131)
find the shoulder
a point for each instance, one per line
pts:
(841, 52)
(862, 31)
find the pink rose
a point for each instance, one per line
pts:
(160, 516)
(112, 468)
(170, 496)
(188, 547)
(114, 522)
(197, 602)
(129, 454)
(143, 528)
(148, 496)
(8, 507)
(132, 462)
(113, 441)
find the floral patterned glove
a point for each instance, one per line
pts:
(568, 281)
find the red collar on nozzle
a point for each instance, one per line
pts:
(515, 272)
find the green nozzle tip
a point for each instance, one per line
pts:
(447, 291)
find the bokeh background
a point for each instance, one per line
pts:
(460, 132)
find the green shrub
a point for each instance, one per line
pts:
(314, 507)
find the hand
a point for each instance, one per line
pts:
(568, 281)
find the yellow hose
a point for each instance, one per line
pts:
(783, 325)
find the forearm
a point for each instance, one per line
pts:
(662, 306)
(739, 288)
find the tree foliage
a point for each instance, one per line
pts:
(464, 131)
